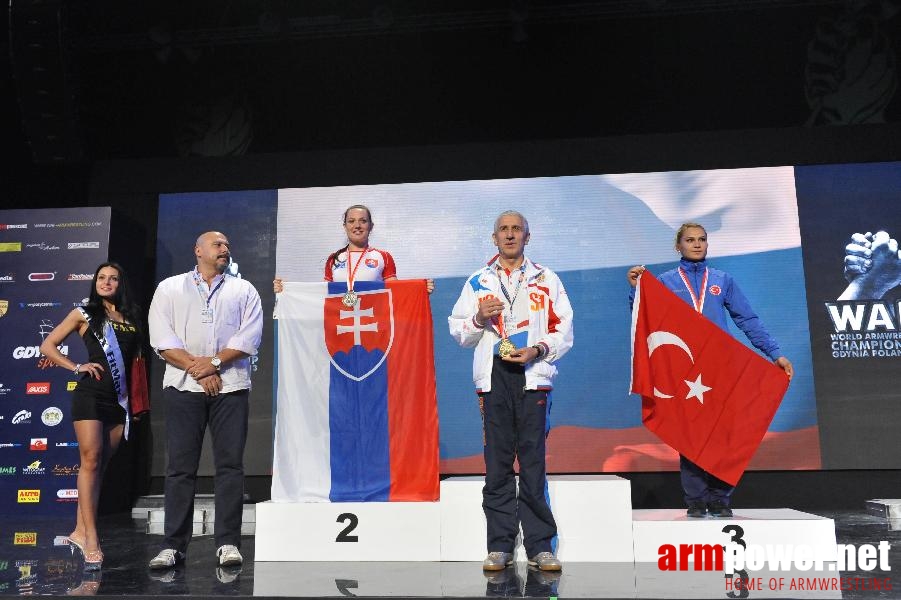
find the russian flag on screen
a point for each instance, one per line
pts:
(357, 411)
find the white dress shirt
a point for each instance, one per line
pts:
(177, 320)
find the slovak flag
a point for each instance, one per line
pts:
(357, 411)
(705, 394)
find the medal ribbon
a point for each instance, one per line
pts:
(352, 274)
(522, 275)
(698, 303)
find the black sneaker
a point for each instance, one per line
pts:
(696, 510)
(720, 509)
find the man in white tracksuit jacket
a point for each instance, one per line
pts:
(517, 316)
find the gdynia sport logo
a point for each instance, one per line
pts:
(779, 567)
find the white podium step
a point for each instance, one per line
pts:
(348, 531)
(782, 529)
(781, 526)
(593, 514)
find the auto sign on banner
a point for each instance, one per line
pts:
(47, 261)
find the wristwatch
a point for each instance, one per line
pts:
(216, 362)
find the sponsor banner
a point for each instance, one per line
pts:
(41, 246)
(29, 496)
(67, 495)
(40, 304)
(21, 352)
(42, 387)
(4, 226)
(22, 416)
(34, 468)
(74, 224)
(40, 282)
(38, 276)
(52, 416)
(25, 538)
(10, 246)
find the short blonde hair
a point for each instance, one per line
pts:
(681, 231)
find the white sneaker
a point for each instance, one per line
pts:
(229, 556)
(166, 558)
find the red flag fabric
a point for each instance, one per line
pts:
(704, 393)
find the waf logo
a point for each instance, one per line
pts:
(25, 538)
(38, 444)
(359, 338)
(372, 263)
(42, 387)
(29, 496)
(715, 290)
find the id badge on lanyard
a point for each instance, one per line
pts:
(206, 312)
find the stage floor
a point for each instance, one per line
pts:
(49, 568)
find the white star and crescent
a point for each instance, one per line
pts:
(696, 388)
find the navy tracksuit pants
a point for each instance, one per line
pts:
(515, 426)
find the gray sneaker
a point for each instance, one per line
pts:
(229, 556)
(545, 561)
(497, 561)
(166, 558)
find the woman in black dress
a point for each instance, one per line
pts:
(109, 325)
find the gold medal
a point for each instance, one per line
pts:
(349, 299)
(505, 348)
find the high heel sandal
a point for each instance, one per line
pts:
(73, 543)
(93, 560)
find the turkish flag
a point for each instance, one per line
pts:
(705, 394)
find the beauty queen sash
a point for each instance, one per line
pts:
(113, 353)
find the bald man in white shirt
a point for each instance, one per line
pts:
(206, 324)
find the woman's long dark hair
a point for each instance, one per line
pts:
(122, 300)
(334, 256)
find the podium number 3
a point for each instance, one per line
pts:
(352, 521)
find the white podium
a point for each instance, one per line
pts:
(758, 527)
(593, 514)
(348, 531)
(782, 526)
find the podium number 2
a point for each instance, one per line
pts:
(352, 521)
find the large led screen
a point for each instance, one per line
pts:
(590, 229)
